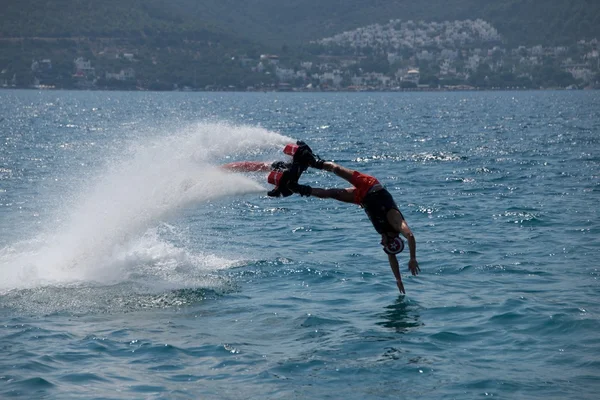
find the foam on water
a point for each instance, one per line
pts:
(106, 232)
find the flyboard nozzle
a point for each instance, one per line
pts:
(290, 149)
(274, 177)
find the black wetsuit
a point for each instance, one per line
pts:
(376, 205)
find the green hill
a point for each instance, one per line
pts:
(216, 43)
(275, 22)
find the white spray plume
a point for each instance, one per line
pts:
(154, 179)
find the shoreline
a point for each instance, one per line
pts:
(273, 90)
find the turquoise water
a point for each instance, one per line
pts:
(133, 268)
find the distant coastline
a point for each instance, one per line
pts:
(185, 45)
(416, 90)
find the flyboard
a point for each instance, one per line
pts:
(281, 172)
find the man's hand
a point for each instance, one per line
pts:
(400, 286)
(413, 266)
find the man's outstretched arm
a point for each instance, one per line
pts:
(413, 265)
(399, 223)
(396, 270)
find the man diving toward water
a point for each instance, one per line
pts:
(366, 191)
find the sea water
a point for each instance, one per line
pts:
(133, 267)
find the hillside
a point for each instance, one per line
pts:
(258, 44)
(275, 22)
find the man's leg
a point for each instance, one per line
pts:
(342, 172)
(345, 195)
(305, 156)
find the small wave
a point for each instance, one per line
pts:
(82, 378)
(520, 217)
(122, 298)
(508, 317)
(428, 210)
(149, 273)
(487, 170)
(441, 156)
(313, 321)
(26, 388)
(421, 157)
(149, 258)
(451, 337)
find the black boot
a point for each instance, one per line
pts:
(304, 155)
(280, 165)
(302, 190)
